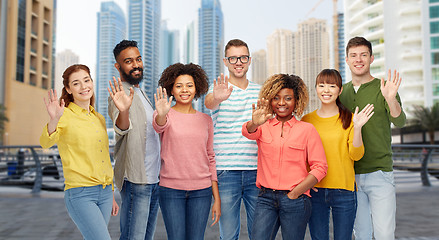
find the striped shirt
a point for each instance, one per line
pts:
(232, 150)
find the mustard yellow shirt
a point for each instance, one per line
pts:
(83, 146)
(339, 150)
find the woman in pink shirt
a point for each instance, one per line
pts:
(188, 171)
(291, 158)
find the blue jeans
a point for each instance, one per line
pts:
(275, 209)
(343, 205)
(185, 213)
(138, 212)
(90, 210)
(234, 186)
(376, 206)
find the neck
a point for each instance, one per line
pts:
(239, 82)
(83, 104)
(328, 110)
(358, 80)
(184, 108)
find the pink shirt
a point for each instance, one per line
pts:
(188, 159)
(283, 162)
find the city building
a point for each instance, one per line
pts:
(280, 52)
(397, 31)
(311, 55)
(259, 66)
(190, 43)
(341, 48)
(430, 50)
(111, 29)
(26, 53)
(144, 27)
(210, 42)
(169, 46)
(63, 60)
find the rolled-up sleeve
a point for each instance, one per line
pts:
(316, 155)
(252, 136)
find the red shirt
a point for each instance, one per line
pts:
(283, 162)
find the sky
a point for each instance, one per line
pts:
(250, 20)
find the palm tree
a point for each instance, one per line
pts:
(427, 118)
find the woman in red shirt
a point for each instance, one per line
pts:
(291, 158)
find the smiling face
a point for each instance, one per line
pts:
(239, 69)
(283, 104)
(184, 89)
(359, 60)
(327, 92)
(130, 65)
(81, 87)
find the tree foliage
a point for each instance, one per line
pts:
(427, 118)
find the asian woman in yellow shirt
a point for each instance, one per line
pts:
(340, 132)
(80, 133)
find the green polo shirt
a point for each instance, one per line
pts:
(377, 136)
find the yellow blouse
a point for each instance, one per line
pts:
(339, 150)
(83, 146)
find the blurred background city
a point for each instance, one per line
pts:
(40, 38)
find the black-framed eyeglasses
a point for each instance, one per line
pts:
(234, 60)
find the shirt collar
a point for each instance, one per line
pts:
(77, 109)
(289, 123)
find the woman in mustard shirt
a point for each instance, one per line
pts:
(81, 136)
(291, 158)
(341, 137)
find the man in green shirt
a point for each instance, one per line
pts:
(374, 172)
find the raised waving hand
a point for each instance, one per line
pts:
(120, 98)
(361, 118)
(221, 89)
(162, 105)
(260, 114)
(54, 108)
(389, 89)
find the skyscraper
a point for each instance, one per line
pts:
(210, 41)
(190, 43)
(111, 29)
(63, 60)
(312, 55)
(169, 47)
(144, 27)
(259, 66)
(430, 50)
(341, 67)
(26, 39)
(280, 55)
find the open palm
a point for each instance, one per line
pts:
(221, 89)
(162, 103)
(261, 113)
(54, 108)
(120, 98)
(361, 118)
(389, 88)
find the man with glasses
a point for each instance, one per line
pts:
(236, 156)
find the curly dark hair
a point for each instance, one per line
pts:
(167, 79)
(278, 82)
(124, 44)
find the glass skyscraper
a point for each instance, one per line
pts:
(144, 27)
(111, 30)
(210, 41)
